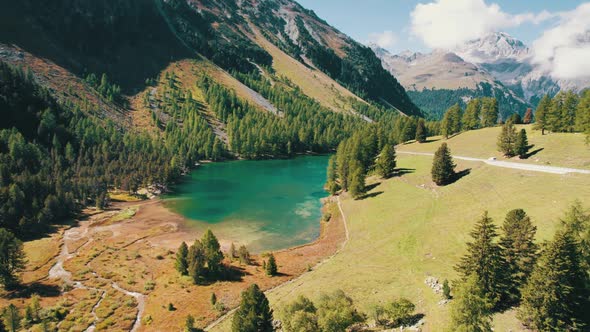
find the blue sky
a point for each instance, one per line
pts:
(369, 18)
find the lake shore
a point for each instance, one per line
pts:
(137, 254)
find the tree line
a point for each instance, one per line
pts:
(549, 282)
(479, 113)
(566, 112)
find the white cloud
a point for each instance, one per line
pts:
(385, 39)
(448, 23)
(564, 50)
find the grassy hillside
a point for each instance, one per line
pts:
(408, 229)
(556, 149)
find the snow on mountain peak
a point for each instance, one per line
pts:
(492, 47)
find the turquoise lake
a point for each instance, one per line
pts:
(266, 205)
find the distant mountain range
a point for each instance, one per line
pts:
(495, 65)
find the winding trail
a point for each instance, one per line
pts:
(58, 271)
(511, 164)
(273, 289)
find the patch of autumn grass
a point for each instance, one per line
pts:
(122, 196)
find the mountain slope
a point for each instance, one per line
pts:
(437, 80)
(510, 61)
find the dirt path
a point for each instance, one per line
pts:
(511, 164)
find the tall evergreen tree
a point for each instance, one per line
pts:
(472, 114)
(196, 261)
(12, 258)
(541, 114)
(489, 112)
(554, 296)
(254, 313)
(331, 183)
(484, 260)
(271, 266)
(181, 259)
(213, 254)
(471, 309)
(577, 223)
(12, 318)
(443, 167)
(507, 139)
(521, 146)
(583, 114)
(386, 162)
(519, 250)
(421, 131)
(357, 180)
(451, 123)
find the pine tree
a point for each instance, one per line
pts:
(254, 313)
(12, 258)
(471, 116)
(489, 112)
(583, 115)
(196, 261)
(271, 266)
(331, 183)
(507, 139)
(357, 181)
(451, 123)
(213, 254)
(181, 259)
(421, 131)
(519, 250)
(386, 162)
(553, 298)
(471, 309)
(446, 290)
(577, 223)
(443, 167)
(484, 260)
(543, 108)
(522, 144)
(12, 318)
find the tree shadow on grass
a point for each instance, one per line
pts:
(431, 140)
(532, 153)
(403, 171)
(369, 195)
(27, 290)
(372, 186)
(459, 175)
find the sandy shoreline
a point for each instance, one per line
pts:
(137, 255)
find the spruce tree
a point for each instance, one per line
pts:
(181, 259)
(583, 115)
(519, 251)
(543, 108)
(471, 309)
(471, 116)
(443, 167)
(271, 266)
(386, 162)
(331, 183)
(213, 254)
(489, 112)
(507, 139)
(196, 261)
(554, 297)
(522, 144)
(577, 223)
(12, 258)
(421, 131)
(254, 313)
(484, 260)
(357, 181)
